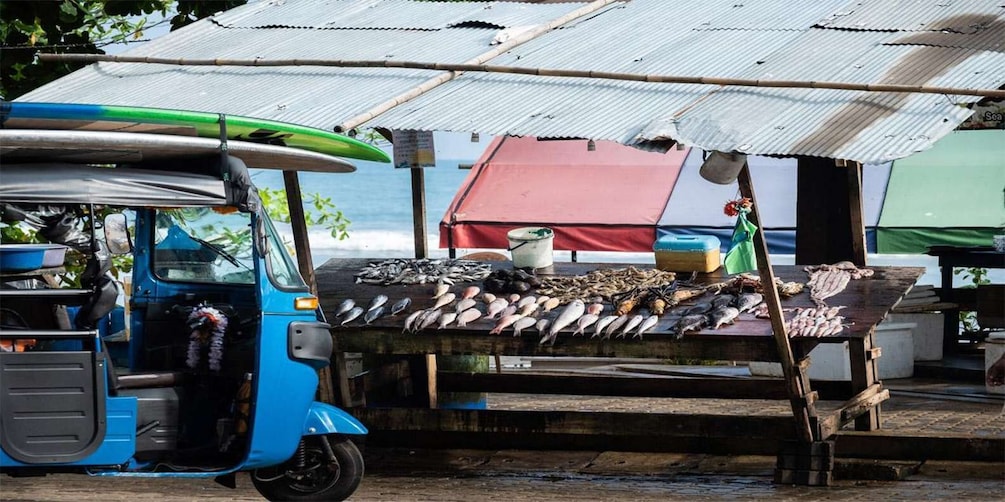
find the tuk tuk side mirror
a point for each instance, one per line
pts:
(117, 234)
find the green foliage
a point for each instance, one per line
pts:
(978, 276)
(79, 26)
(318, 211)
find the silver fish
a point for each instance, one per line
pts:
(541, 325)
(614, 326)
(469, 315)
(352, 315)
(584, 322)
(725, 315)
(444, 300)
(646, 326)
(465, 304)
(574, 310)
(400, 305)
(428, 319)
(602, 323)
(522, 324)
(445, 319)
(373, 315)
(632, 323)
(410, 320)
(376, 302)
(689, 323)
(345, 306)
(747, 301)
(440, 290)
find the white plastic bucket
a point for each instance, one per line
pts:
(531, 246)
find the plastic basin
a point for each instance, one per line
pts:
(21, 257)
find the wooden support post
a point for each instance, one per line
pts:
(864, 373)
(829, 223)
(419, 212)
(796, 380)
(431, 379)
(302, 245)
(856, 223)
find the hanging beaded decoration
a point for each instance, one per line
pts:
(210, 330)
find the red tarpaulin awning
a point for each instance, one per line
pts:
(609, 199)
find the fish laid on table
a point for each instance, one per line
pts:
(351, 315)
(647, 325)
(494, 308)
(529, 309)
(723, 300)
(699, 308)
(411, 320)
(374, 314)
(541, 325)
(509, 310)
(345, 306)
(428, 319)
(747, 301)
(422, 271)
(722, 316)
(470, 292)
(615, 325)
(522, 324)
(400, 305)
(595, 308)
(377, 301)
(632, 323)
(602, 323)
(574, 310)
(527, 300)
(444, 300)
(469, 315)
(689, 323)
(465, 304)
(829, 280)
(585, 321)
(505, 322)
(550, 304)
(488, 298)
(445, 319)
(440, 289)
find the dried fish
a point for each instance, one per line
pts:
(829, 280)
(400, 305)
(604, 283)
(422, 271)
(345, 306)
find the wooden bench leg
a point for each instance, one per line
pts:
(864, 372)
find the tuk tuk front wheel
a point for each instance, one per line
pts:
(314, 473)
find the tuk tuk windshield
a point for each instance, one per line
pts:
(204, 245)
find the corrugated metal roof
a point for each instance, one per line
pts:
(961, 16)
(389, 14)
(760, 40)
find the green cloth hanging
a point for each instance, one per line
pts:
(740, 257)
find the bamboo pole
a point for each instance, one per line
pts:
(543, 72)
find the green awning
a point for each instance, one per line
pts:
(952, 194)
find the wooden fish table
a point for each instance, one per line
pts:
(867, 302)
